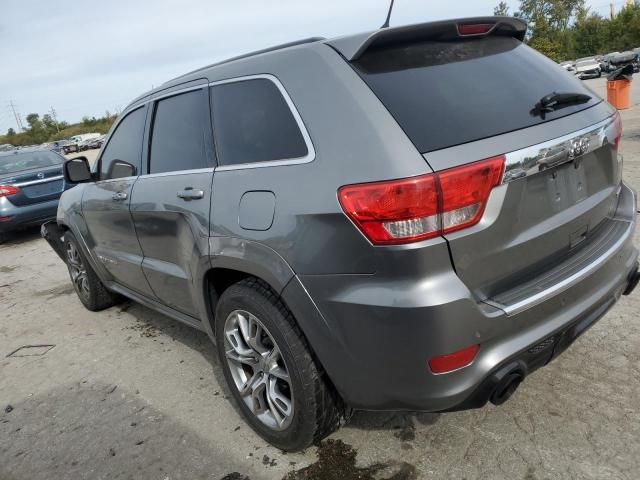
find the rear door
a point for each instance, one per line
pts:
(105, 204)
(171, 202)
(469, 99)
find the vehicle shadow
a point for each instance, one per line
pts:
(93, 430)
(365, 420)
(21, 237)
(151, 324)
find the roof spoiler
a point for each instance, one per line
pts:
(353, 47)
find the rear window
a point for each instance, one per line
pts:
(253, 123)
(179, 138)
(25, 161)
(448, 93)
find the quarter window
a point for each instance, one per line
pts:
(181, 129)
(253, 123)
(125, 145)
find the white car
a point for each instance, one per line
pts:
(588, 68)
(568, 66)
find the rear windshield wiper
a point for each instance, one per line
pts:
(554, 101)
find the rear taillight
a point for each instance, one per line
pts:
(8, 190)
(418, 208)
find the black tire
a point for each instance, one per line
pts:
(91, 292)
(317, 409)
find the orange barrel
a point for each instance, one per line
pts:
(619, 93)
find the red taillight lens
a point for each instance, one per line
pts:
(8, 190)
(398, 211)
(465, 191)
(453, 361)
(476, 29)
(413, 209)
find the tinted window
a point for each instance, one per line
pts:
(180, 131)
(16, 162)
(447, 93)
(253, 123)
(125, 144)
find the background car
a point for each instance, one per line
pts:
(588, 67)
(31, 183)
(569, 66)
(623, 59)
(606, 62)
(96, 142)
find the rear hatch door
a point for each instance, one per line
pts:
(465, 99)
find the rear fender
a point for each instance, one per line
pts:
(244, 256)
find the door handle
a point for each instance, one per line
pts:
(119, 196)
(189, 194)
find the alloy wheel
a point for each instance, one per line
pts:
(258, 369)
(77, 270)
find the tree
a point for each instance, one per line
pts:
(11, 132)
(502, 9)
(49, 123)
(33, 119)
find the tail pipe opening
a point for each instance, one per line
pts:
(506, 387)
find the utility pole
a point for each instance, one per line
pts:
(611, 11)
(16, 115)
(55, 118)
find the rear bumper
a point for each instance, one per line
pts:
(26, 215)
(374, 334)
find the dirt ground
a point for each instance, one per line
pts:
(128, 393)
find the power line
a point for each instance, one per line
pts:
(16, 115)
(55, 119)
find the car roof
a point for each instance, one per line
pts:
(352, 46)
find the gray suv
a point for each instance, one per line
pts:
(414, 218)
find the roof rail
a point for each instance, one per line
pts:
(251, 54)
(353, 47)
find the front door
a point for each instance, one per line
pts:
(170, 204)
(105, 205)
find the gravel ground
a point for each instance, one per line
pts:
(128, 393)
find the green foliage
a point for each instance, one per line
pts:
(502, 9)
(48, 130)
(566, 30)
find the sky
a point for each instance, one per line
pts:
(83, 57)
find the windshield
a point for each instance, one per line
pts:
(25, 161)
(448, 93)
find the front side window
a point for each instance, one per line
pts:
(180, 131)
(125, 146)
(253, 123)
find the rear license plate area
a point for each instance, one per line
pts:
(43, 189)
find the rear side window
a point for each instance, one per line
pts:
(253, 123)
(180, 132)
(448, 93)
(125, 145)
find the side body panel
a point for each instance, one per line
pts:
(173, 233)
(111, 234)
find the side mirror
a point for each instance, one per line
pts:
(121, 169)
(77, 170)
